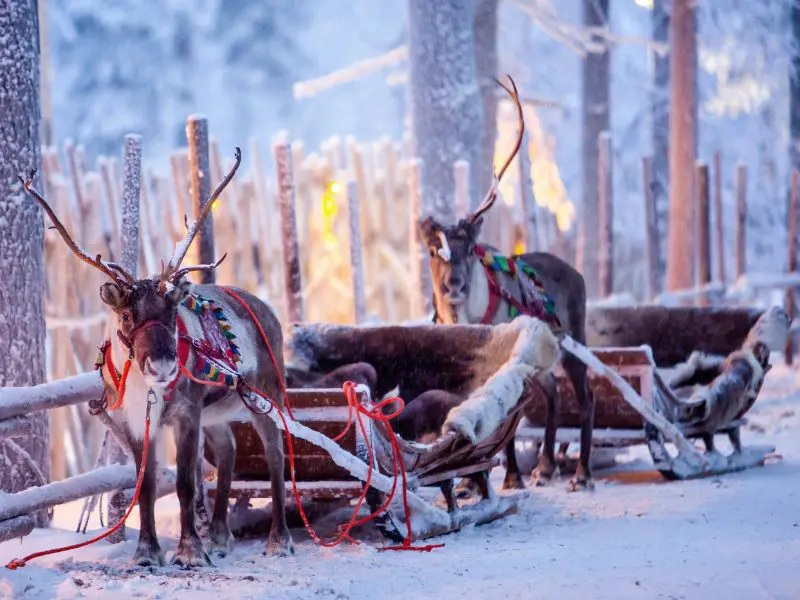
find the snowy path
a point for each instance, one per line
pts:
(636, 536)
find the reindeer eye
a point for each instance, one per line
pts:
(125, 317)
(433, 253)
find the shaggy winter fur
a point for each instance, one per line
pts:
(701, 368)
(535, 351)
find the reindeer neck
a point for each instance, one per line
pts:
(477, 302)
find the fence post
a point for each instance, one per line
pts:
(420, 288)
(789, 302)
(605, 193)
(702, 229)
(200, 178)
(282, 150)
(741, 220)
(527, 196)
(462, 191)
(356, 254)
(651, 247)
(720, 222)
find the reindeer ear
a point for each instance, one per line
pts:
(428, 228)
(179, 291)
(114, 295)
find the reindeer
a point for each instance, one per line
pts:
(146, 315)
(462, 294)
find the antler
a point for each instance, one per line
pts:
(112, 270)
(182, 247)
(489, 200)
(181, 272)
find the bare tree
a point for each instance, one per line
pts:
(595, 108)
(794, 89)
(682, 144)
(22, 327)
(447, 114)
(659, 106)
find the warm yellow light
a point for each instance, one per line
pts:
(519, 247)
(336, 187)
(215, 205)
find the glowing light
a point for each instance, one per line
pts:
(648, 4)
(519, 247)
(335, 187)
(215, 205)
(548, 188)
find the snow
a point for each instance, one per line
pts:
(637, 536)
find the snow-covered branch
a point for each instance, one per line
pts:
(19, 401)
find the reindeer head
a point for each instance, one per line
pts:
(452, 248)
(145, 310)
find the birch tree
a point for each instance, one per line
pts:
(486, 64)
(22, 328)
(447, 114)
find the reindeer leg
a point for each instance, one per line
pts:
(190, 551)
(280, 540)
(201, 496)
(148, 551)
(513, 478)
(543, 472)
(577, 374)
(221, 440)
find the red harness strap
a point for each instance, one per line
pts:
(119, 380)
(497, 292)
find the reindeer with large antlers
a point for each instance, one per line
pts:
(472, 283)
(159, 329)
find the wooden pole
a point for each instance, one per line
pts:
(720, 218)
(420, 289)
(703, 229)
(789, 303)
(651, 247)
(356, 252)
(282, 150)
(200, 178)
(606, 214)
(462, 191)
(527, 196)
(741, 220)
(129, 238)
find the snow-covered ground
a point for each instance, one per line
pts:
(636, 536)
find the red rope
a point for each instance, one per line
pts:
(354, 405)
(17, 562)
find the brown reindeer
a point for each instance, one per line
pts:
(467, 290)
(144, 329)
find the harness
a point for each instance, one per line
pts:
(216, 354)
(538, 304)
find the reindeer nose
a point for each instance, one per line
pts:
(160, 370)
(455, 284)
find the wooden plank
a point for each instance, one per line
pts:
(720, 218)
(652, 243)
(316, 490)
(741, 220)
(19, 401)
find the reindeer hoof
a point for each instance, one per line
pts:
(540, 478)
(221, 540)
(145, 556)
(513, 481)
(466, 488)
(190, 553)
(279, 544)
(577, 484)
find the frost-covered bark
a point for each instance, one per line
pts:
(682, 145)
(22, 327)
(659, 107)
(794, 90)
(486, 65)
(595, 107)
(282, 150)
(446, 107)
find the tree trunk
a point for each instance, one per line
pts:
(21, 234)
(794, 92)
(487, 70)
(682, 145)
(659, 106)
(446, 105)
(595, 109)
